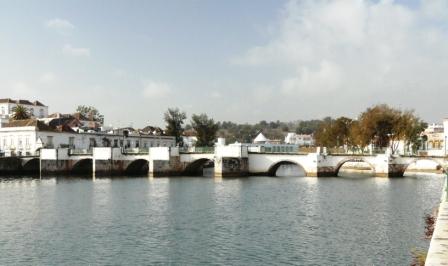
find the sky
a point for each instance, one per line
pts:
(242, 61)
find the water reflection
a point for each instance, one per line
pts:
(194, 220)
(290, 170)
(356, 170)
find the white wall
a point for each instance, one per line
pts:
(231, 151)
(28, 138)
(6, 109)
(18, 141)
(261, 163)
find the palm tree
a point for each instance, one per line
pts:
(20, 113)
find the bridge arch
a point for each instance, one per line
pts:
(272, 170)
(412, 166)
(196, 167)
(83, 166)
(138, 167)
(354, 160)
(31, 166)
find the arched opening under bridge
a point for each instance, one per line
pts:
(138, 167)
(287, 169)
(32, 166)
(200, 167)
(354, 168)
(82, 167)
(422, 167)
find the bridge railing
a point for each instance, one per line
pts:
(135, 151)
(80, 151)
(197, 150)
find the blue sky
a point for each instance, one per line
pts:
(235, 60)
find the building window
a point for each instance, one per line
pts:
(31, 111)
(115, 143)
(41, 113)
(50, 141)
(71, 142)
(3, 110)
(137, 144)
(92, 142)
(128, 144)
(121, 143)
(27, 142)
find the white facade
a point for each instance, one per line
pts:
(436, 140)
(36, 109)
(299, 139)
(28, 140)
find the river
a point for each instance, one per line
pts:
(199, 220)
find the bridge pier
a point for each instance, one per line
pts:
(231, 161)
(59, 161)
(231, 167)
(165, 161)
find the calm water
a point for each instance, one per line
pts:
(191, 221)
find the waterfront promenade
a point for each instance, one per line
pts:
(438, 249)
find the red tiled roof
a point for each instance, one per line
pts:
(24, 102)
(40, 126)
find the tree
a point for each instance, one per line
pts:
(358, 139)
(408, 129)
(20, 113)
(334, 133)
(378, 123)
(91, 113)
(385, 126)
(174, 119)
(205, 128)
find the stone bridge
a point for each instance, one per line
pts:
(227, 161)
(19, 165)
(237, 161)
(101, 161)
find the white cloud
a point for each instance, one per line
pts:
(74, 51)
(47, 77)
(156, 90)
(356, 49)
(60, 25)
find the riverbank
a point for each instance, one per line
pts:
(438, 248)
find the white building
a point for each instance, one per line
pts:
(261, 139)
(299, 139)
(36, 109)
(435, 139)
(26, 137)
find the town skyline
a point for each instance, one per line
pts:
(265, 63)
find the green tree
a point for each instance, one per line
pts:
(20, 113)
(378, 124)
(325, 135)
(91, 113)
(175, 119)
(205, 128)
(358, 139)
(385, 126)
(407, 129)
